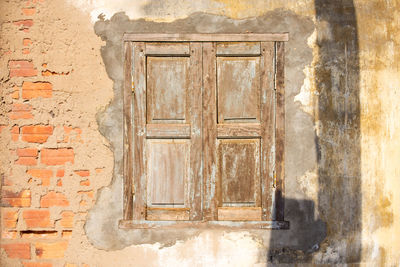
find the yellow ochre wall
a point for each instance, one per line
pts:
(57, 108)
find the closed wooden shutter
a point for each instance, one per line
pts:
(204, 130)
(167, 132)
(239, 130)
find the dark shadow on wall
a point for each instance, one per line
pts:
(307, 234)
(338, 146)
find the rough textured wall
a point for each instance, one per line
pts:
(106, 213)
(61, 114)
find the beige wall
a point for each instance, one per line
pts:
(73, 86)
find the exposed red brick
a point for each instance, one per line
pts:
(38, 234)
(36, 89)
(27, 156)
(5, 234)
(42, 174)
(21, 68)
(58, 156)
(37, 264)
(18, 250)
(15, 133)
(60, 173)
(24, 64)
(26, 42)
(25, 51)
(9, 218)
(26, 23)
(29, 11)
(27, 161)
(85, 183)
(54, 199)
(27, 152)
(37, 218)
(36, 133)
(21, 111)
(82, 173)
(15, 93)
(59, 182)
(12, 199)
(51, 250)
(67, 219)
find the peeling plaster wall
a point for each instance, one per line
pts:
(342, 128)
(300, 158)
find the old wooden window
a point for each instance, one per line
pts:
(204, 130)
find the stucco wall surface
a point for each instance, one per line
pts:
(61, 74)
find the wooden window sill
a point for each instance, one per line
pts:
(245, 225)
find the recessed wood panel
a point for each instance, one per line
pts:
(239, 172)
(168, 163)
(238, 82)
(167, 214)
(168, 130)
(239, 130)
(238, 48)
(239, 214)
(167, 85)
(165, 49)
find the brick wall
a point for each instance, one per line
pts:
(43, 192)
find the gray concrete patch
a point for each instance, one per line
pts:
(102, 224)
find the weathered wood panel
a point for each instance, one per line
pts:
(206, 37)
(167, 84)
(238, 49)
(267, 132)
(209, 132)
(239, 171)
(127, 137)
(238, 89)
(239, 214)
(179, 169)
(167, 49)
(168, 130)
(167, 214)
(139, 149)
(280, 130)
(195, 111)
(240, 130)
(168, 171)
(206, 225)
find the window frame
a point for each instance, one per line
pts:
(134, 211)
